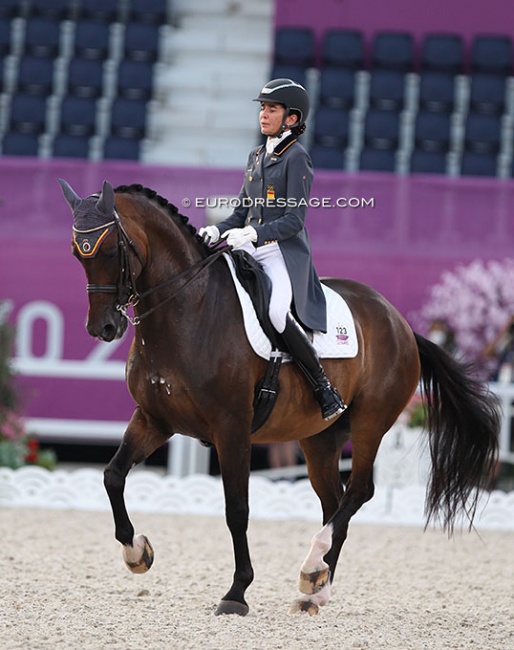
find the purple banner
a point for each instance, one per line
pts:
(397, 234)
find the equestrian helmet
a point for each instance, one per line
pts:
(290, 94)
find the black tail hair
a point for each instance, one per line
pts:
(463, 423)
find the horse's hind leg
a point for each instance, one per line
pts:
(141, 438)
(317, 570)
(322, 453)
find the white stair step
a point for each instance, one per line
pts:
(227, 7)
(223, 24)
(212, 80)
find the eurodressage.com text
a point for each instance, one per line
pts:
(280, 202)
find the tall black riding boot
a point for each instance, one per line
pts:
(305, 356)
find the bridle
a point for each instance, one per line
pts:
(125, 290)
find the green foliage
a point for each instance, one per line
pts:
(9, 399)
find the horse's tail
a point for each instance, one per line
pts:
(463, 423)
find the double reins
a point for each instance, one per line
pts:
(127, 295)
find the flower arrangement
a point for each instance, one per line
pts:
(17, 448)
(476, 301)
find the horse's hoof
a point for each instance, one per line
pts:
(303, 605)
(139, 557)
(232, 607)
(311, 583)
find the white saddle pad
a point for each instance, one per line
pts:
(339, 341)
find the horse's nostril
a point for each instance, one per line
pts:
(108, 333)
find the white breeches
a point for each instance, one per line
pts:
(272, 261)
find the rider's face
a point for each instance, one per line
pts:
(271, 118)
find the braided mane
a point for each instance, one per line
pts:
(171, 209)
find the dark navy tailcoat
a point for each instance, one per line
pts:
(274, 200)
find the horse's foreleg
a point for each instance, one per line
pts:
(141, 438)
(235, 471)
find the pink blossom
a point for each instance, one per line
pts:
(11, 426)
(476, 300)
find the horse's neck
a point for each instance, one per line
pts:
(203, 303)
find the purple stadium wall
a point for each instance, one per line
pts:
(403, 234)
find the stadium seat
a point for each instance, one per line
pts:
(135, 79)
(337, 88)
(119, 148)
(432, 131)
(393, 51)
(28, 113)
(387, 90)
(294, 46)
(66, 145)
(57, 9)
(331, 127)
(487, 93)
(149, 11)
(128, 118)
(428, 162)
(482, 133)
(474, 163)
(141, 42)
(437, 91)
(35, 75)
(78, 116)
(3, 81)
(5, 37)
(377, 160)
(42, 37)
(91, 40)
(443, 53)
(20, 144)
(492, 54)
(381, 129)
(105, 11)
(294, 72)
(10, 9)
(327, 157)
(343, 48)
(85, 77)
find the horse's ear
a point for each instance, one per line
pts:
(69, 194)
(106, 201)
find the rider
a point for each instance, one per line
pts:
(269, 224)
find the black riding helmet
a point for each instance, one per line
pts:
(291, 95)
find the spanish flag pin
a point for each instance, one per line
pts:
(270, 192)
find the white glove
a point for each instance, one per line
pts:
(237, 237)
(210, 234)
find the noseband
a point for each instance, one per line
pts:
(126, 293)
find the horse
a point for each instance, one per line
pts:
(191, 369)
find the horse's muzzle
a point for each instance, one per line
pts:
(111, 327)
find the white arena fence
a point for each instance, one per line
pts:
(401, 471)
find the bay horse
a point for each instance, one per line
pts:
(191, 370)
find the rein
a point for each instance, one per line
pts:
(135, 298)
(127, 295)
